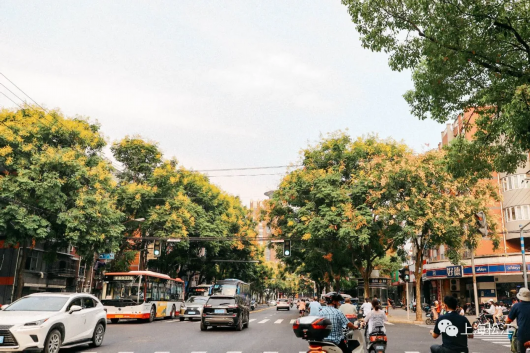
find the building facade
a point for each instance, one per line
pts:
(498, 271)
(62, 274)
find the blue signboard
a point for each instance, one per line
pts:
(106, 256)
(454, 271)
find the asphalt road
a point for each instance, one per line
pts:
(269, 331)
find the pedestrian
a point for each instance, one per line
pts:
(521, 313)
(314, 307)
(347, 308)
(461, 311)
(366, 307)
(436, 310)
(453, 328)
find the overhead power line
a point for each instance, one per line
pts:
(242, 175)
(247, 168)
(15, 103)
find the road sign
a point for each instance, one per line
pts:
(106, 256)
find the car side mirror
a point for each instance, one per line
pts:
(75, 308)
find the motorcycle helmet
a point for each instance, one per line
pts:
(335, 297)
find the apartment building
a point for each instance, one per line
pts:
(499, 271)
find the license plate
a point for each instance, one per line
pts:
(118, 316)
(379, 347)
(1, 339)
(191, 312)
(219, 311)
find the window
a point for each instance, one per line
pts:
(32, 261)
(517, 213)
(517, 181)
(88, 303)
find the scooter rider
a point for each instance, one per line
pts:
(338, 321)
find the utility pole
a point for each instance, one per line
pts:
(523, 254)
(475, 291)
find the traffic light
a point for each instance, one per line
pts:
(157, 249)
(286, 248)
(404, 274)
(482, 224)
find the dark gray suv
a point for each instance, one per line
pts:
(223, 310)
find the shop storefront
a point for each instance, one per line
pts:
(377, 286)
(495, 280)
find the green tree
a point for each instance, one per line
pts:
(465, 55)
(429, 206)
(325, 207)
(55, 186)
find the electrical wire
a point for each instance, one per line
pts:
(242, 175)
(247, 168)
(11, 100)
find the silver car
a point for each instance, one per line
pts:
(192, 308)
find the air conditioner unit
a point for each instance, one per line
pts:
(455, 285)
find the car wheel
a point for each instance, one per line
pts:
(114, 321)
(53, 342)
(182, 319)
(239, 326)
(173, 314)
(248, 321)
(99, 334)
(203, 326)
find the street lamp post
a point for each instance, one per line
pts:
(521, 228)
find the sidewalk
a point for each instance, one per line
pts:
(399, 316)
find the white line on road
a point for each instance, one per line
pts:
(248, 321)
(389, 323)
(411, 352)
(276, 322)
(292, 322)
(198, 352)
(261, 322)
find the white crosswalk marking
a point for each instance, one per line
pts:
(277, 322)
(292, 322)
(389, 323)
(411, 352)
(261, 322)
(248, 321)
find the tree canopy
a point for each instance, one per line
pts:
(465, 55)
(55, 186)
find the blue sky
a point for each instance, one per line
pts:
(219, 84)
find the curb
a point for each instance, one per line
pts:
(403, 321)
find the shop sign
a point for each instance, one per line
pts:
(513, 268)
(378, 282)
(454, 271)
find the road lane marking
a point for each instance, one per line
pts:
(411, 352)
(277, 322)
(292, 321)
(261, 322)
(248, 321)
(198, 352)
(389, 323)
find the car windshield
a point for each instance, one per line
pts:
(225, 289)
(221, 301)
(38, 304)
(197, 300)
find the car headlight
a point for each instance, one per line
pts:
(36, 323)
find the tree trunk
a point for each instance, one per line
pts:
(366, 278)
(417, 275)
(20, 269)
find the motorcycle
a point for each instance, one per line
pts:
(252, 306)
(483, 319)
(430, 320)
(378, 341)
(314, 329)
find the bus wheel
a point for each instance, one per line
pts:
(173, 313)
(114, 321)
(152, 314)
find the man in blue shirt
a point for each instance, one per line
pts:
(338, 322)
(521, 313)
(314, 307)
(454, 328)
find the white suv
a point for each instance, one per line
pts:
(48, 321)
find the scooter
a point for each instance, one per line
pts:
(378, 341)
(314, 329)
